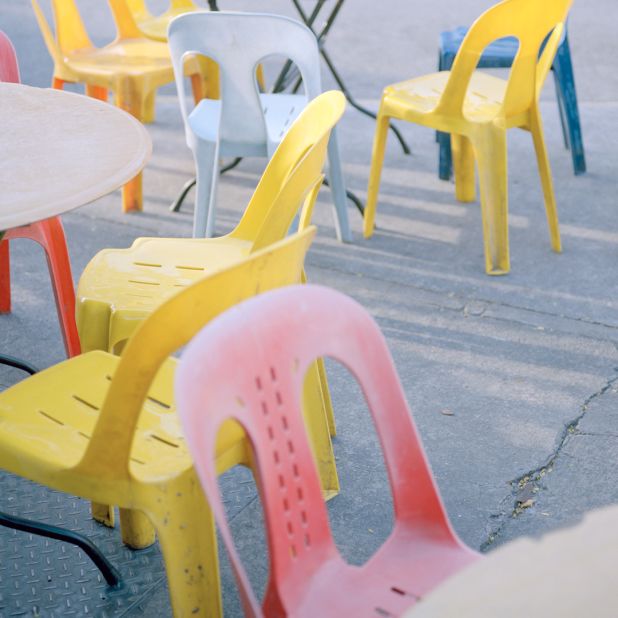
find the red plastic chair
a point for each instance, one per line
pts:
(250, 362)
(49, 234)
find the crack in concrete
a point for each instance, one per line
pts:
(529, 482)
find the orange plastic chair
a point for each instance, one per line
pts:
(478, 109)
(49, 234)
(132, 66)
(248, 366)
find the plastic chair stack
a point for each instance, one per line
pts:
(248, 366)
(246, 122)
(49, 234)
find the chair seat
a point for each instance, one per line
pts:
(126, 285)
(134, 57)
(55, 424)
(419, 96)
(280, 111)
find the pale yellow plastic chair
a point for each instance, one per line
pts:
(121, 287)
(205, 83)
(155, 26)
(132, 67)
(104, 427)
(477, 109)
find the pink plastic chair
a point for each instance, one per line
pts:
(49, 234)
(249, 365)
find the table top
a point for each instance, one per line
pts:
(568, 573)
(61, 150)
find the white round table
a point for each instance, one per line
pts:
(570, 573)
(61, 150)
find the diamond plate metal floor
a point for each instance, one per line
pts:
(49, 579)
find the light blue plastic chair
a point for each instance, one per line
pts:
(246, 122)
(500, 54)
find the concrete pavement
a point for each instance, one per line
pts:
(513, 380)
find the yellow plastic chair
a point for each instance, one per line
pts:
(477, 109)
(133, 67)
(104, 427)
(121, 287)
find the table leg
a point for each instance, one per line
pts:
(111, 575)
(309, 21)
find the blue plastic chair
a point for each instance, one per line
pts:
(500, 54)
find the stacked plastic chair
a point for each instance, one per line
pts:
(49, 234)
(132, 66)
(248, 366)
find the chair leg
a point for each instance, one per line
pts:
(186, 530)
(328, 403)
(136, 530)
(148, 107)
(5, 277)
(97, 92)
(377, 160)
(337, 187)
(445, 156)
(206, 156)
(53, 240)
(491, 156)
(567, 95)
(103, 513)
(463, 160)
(205, 82)
(316, 420)
(536, 128)
(129, 98)
(49, 234)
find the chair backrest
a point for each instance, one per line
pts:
(293, 174)
(170, 327)
(251, 362)
(530, 22)
(9, 70)
(51, 43)
(238, 42)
